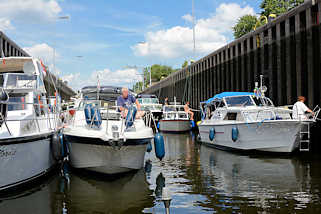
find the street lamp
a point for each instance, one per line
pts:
(54, 47)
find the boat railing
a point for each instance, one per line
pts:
(49, 112)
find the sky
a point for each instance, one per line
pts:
(112, 40)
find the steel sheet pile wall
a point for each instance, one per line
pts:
(286, 51)
(8, 48)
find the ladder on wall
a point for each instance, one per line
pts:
(305, 137)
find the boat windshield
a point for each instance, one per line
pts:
(148, 100)
(21, 81)
(240, 101)
(262, 101)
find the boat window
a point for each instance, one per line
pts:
(262, 101)
(18, 81)
(182, 116)
(148, 100)
(170, 115)
(1, 80)
(17, 102)
(230, 116)
(240, 101)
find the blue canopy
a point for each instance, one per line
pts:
(227, 94)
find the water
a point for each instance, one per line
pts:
(199, 179)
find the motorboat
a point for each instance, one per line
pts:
(249, 121)
(100, 139)
(150, 102)
(174, 118)
(29, 126)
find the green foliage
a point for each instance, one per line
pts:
(185, 64)
(269, 7)
(244, 25)
(278, 7)
(158, 72)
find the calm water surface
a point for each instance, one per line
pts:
(200, 179)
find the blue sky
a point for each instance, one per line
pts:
(112, 35)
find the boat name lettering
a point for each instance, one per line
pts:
(4, 152)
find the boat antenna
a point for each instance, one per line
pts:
(193, 15)
(98, 86)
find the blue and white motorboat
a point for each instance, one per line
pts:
(249, 121)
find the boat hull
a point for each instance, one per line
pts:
(271, 136)
(174, 125)
(23, 160)
(106, 157)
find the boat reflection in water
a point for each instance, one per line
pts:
(128, 194)
(258, 183)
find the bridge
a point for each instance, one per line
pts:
(10, 48)
(286, 51)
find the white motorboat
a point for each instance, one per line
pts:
(174, 119)
(29, 145)
(101, 140)
(149, 102)
(249, 121)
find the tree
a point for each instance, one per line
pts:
(158, 72)
(278, 7)
(185, 64)
(244, 25)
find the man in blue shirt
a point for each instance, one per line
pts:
(125, 100)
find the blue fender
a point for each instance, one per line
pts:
(88, 113)
(96, 116)
(211, 134)
(149, 147)
(131, 115)
(159, 146)
(235, 134)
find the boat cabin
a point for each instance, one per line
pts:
(241, 106)
(149, 102)
(174, 112)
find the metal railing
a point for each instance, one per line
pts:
(37, 110)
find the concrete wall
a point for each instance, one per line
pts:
(286, 51)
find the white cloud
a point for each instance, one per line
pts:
(29, 10)
(5, 24)
(123, 77)
(188, 18)
(42, 51)
(211, 34)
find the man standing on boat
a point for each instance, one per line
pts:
(300, 109)
(188, 110)
(125, 100)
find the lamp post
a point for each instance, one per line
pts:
(138, 67)
(54, 47)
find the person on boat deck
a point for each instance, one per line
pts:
(300, 109)
(188, 110)
(166, 101)
(125, 100)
